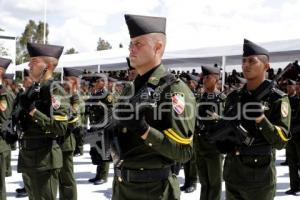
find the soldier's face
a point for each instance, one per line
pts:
(37, 65)
(253, 68)
(141, 51)
(210, 81)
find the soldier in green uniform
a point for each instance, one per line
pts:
(44, 117)
(150, 144)
(293, 145)
(190, 167)
(209, 159)
(67, 143)
(27, 82)
(100, 100)
(249, 168)
(6, 105)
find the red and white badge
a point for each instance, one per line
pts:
(55, 102)
(178, 102)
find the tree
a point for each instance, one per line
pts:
(103, 45)
(32, 33)
(3, 51)
(71, 51)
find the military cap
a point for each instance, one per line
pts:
(192, 77)
(4, 62)
(250, 49)
(35, 50)
(291, 82)
(111, 79)
(25, 72)
(206, 70)
(72, 72)
(141, 25)
(9, 76)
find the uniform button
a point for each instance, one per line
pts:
(35, 121)
(255, 160)
(150, 144)
(260, 128)
(120, 179)
(142, 169)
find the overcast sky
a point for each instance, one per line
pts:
(190, 23)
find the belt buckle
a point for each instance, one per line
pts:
(120, 179)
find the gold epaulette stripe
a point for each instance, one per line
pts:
(281, 134)
(73, 120)
(177, 138)
(60, 118)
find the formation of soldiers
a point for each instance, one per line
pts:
(157, 120)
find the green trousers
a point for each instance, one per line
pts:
(102, 171)
(160, 190)
(8, 164)
(293, 155)
(43, 185)
(3, 169)
(67, 182)
(190, 171)
(234, 192)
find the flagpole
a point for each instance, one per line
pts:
(45, 20)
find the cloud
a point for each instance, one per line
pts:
(190, 23)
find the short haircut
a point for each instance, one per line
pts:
(263, 58)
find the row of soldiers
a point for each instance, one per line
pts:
(148, 145)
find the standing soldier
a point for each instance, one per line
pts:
(27, 83)
(293, 145)
(44, 117)
(100, 100)
(249, 168)
(190, 167)
(149, 143)
(6, 105)
(67, 143)
(209, 159)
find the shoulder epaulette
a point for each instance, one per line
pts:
(278, 92)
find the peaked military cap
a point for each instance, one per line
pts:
(206, 70)
(141, 25)
(72, 72)
(25, 72)
(111, 79)
(9, 76)
(4, 62)
(35, 50)
(250, 49)
(192, 77)
(291, 82)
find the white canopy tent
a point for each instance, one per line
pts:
(229, 57)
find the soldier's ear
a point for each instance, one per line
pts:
(267, 66)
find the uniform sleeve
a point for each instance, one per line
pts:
(175, 141)
(276, 127)
(57, 123)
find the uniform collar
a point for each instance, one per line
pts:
(157, 74)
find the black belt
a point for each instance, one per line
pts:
(33, 144)
(143, 176)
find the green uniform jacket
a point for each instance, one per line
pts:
(6, 99)
(170, 136)
(49, 121)
(255, 165)
(68, 140)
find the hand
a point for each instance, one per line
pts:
(134, 120)
(26, 104)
